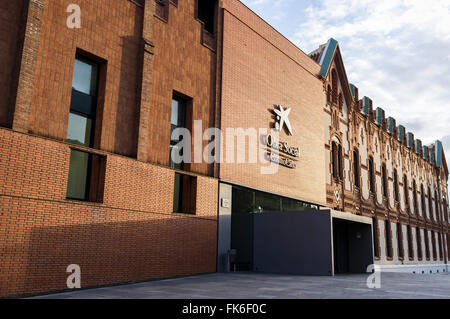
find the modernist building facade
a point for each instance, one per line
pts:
(87, 116)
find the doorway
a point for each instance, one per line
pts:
(352, 246)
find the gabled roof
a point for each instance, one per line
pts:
(325, 55)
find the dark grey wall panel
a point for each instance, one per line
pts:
(293, 243)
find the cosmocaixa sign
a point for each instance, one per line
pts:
(280, 152)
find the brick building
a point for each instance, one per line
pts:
(86, 116)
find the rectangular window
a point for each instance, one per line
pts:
(433, 243)
(185, 194)
(376, 249)
(410, 243)
(427, 244)
(162, 9)
(179, 119)
(388, 239)
(441, 248)
(206, 12)
(419, 243)
(86, 176)
(83, 105)
(401, 253)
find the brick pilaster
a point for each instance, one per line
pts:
(28, 65)
(146, 85)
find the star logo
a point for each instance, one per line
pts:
(283, 119)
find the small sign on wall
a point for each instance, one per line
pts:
(225, 203)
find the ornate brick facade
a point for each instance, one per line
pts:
(369, 160)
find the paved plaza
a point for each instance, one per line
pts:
(253, 285)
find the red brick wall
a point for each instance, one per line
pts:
(181, 63)
(11, 37)
(110, 30)
(261, 69)
(132, 236)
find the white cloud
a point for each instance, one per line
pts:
(395, 51)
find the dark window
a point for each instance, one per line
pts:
(162, 9)
(388, 231)
(334, 159)
(422, 199)
(419, 243)
(441, 250)
(448, 244)
(329, 94)
(430, 204)
(396, 193)
(433, 243)
(185, 194)
(178, 119)
(436, 206)
(376, 243)
(416, 208)
(384, 178)
(206, 12)
(83, 105)
(427, 244)
(406, 190)
(356, 168)
(371, 175)
(86, 176)
(410, 243)
(401, 253)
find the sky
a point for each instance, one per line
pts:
(397, 52)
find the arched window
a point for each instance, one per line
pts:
(341, 101)
(384, 179)
(416, 209)
(406, 190)
(334, 157)
(422, 199)
(356, 167)
(436, 206)
(371, 175)
(430, 204)
(396, 197)
(329, 93)
(334, 83)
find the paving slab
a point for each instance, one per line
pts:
(270, 286)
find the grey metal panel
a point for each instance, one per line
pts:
(293, 243)
(224, 229)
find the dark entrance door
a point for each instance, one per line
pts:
(352, 246)
(340, 247)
